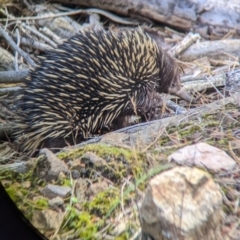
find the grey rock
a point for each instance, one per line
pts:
(204, 156)
(47, 219)
(54, 165)
(56, 202)
(75, 174)
(52, 191)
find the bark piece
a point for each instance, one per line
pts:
(182, 203)
(210, 18)
(233, 82)
(212, 49)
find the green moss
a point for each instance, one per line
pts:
(171, 129)
(101, 203)
(65, 182)
(227, 209)
(14, 176)
(102, 150)
(40, 203)
(62, 155)
(211, 124)
(190, 130)
(230, 106)
(184, 125)
(139, 183)
(14, 193)
(5, 175)
(119, 162)
(209, 117)
(164, 140)
(85, 224)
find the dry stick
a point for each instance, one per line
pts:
(35, 44)
(122, 195)
(136, 235)
(205, 83)
(16, 52)
(51, 35)
(13, 76)
(234, 156)
(175, 107)
(190, 78)
(15, 47)
(102, 233)
(208, 79)
(184, 44)
(77, 27)
(9, 90)
(85, 11)
(37, 33)
(211, 48)
(27, 42)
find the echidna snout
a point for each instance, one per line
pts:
(176, 89)
(169, 78)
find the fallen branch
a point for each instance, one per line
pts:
(107, 14)
(13, 76)
(184, 44)
(212, 49)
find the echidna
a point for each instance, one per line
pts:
(90, 81)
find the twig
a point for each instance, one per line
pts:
(35, 44)
(16, 52)
(37, 33)
(84, 11)
(205, 83)
(175, 107)
(122, 195)
(184, 44)
(13, 76)
(191, 78)
(15, 47)
(208, 79)
(51, 35)
(136, 235)
(9, 90)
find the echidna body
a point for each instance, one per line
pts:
(91, 80)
